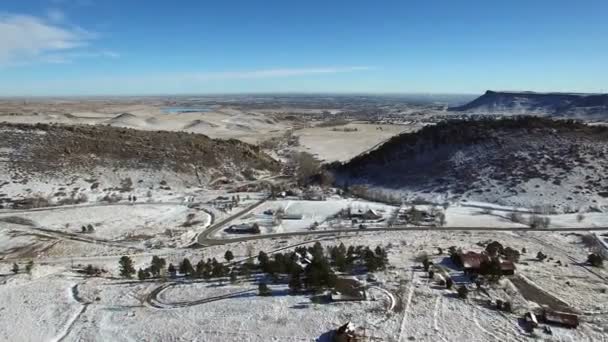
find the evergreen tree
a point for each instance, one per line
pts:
(371, 261)
(172, 270)
(126, 267)
(217, 269)
(263, 260)
(15, 268)
(263, 290)
(232, 277)
(90, 270)
(228, 256)
(491, 268)
(156, 265)
(595, 260)
(29, 266)
(463, 292)
(201, 266)
(340, 259)
(141, 275)
(295, 283)
(185, 267)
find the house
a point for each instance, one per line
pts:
(369, 214)
(348, 289)
(472, 262)
(564, 319)
(244, 228)
(291, 216)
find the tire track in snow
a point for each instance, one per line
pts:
(72, 321)
(407, 305)
(438, 307)
(480, 327)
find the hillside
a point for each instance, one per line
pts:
(523, 161)
(48, 159)
(587, 106)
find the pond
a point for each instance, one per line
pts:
(179, 110)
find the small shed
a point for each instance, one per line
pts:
(507, 267)
(244, 228)
(568, 320)
(291, 216)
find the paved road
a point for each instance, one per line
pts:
(207, 240)
(10, 212)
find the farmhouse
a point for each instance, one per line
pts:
(472, 263)
(369, 214)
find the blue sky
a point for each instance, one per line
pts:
(90, 47)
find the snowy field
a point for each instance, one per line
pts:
(311, 212)
(330, 145)
(404, 304)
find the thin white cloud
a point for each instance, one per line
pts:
(167, 83)
(274, 73)
(55, 15)
(26, 39)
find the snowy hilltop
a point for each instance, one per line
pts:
(583, 106)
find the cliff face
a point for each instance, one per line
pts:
(592, 106)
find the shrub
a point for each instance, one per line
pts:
(515, 217)
(539, 222)
(463, 292)
(263, 290)
(541, 256)
(580, 217)
(595, 260)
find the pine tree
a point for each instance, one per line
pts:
(232, 277)
(172, 270)
(217, 269)
(156, 265)
(295, 283)
(340, 258)
(126, 267)
(463, 292)
(15, 268)
(29, 266)
(263, 290)
(263, 260)
(141, 275)
(228, 256)
(90, 270)
(185, 267)
(201, 266)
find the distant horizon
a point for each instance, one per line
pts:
(278, 93)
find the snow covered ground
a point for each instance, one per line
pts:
(118, 310)
(403, 304)
(313, 213)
